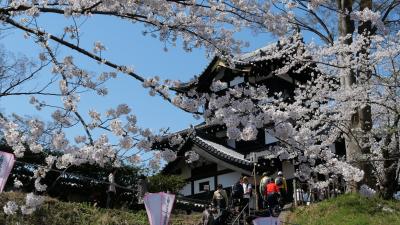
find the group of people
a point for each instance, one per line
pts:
(273, 191)
(242, 191)
(216, 213)
(273, 194)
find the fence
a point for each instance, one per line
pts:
(306, 193)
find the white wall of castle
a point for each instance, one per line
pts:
(227, 180)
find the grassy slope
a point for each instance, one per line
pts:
(349, 209)
(54, 212)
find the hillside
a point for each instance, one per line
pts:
(54, 212)
(349, 209)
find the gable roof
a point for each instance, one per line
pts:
(214, 152)
(163, 141)
(223, 153)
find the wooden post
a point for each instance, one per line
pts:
(255, 181)
(329, 191)
(295, 192)
(334, 188)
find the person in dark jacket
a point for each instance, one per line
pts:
(237, 194)
(280, 181)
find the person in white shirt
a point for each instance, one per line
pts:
(247, 191)
(111, 191)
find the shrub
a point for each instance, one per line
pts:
(164, 183)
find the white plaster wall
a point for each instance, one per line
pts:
(227, 180)
(231, 143)
(186, 190)
(332, 147)
(236, 81)
(288, 169)
(269, 138)
(197, 182)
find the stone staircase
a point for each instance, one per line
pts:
(232, 217)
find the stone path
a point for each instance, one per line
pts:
(283, 216)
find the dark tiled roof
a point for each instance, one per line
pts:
(222, 153)
(202, 127)
(267, 55)
(204, 78)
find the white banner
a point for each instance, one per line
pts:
(6, 165)
(266, 221)
(159, 207)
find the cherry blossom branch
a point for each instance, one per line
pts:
(55, 61)
(320, 21)
(297, 22)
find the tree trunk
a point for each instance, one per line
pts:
(390, 165)
(389, 183)
(346, 29)
(362, 118)
(365, 116)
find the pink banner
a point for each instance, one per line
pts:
(159, 207)
(266, 221)
(6, 164)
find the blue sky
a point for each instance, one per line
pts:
(125, 46)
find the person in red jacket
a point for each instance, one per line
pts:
(272, 192)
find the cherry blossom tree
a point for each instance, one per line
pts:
(353, 46)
